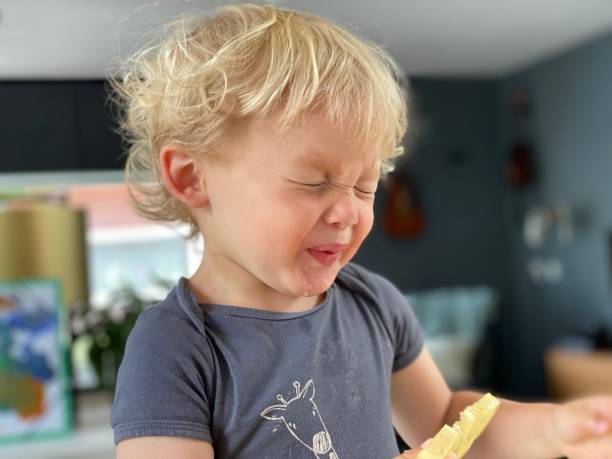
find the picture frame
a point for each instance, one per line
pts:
(35, 380)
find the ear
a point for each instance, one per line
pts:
(274, 412)
(308, 392)
(182, 176)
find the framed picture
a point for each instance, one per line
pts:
(35, 382)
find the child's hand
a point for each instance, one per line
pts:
(582, 428)
(413, 453)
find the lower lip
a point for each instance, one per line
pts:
(325, 258)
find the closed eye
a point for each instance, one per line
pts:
(372, 193)
(308, 185)
(315, 185)
(312, 184)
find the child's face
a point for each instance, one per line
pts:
(273, 201)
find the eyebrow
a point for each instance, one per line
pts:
(321, 162)
(311, 157)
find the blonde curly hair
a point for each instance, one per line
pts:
(244, 62)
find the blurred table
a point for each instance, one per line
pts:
(574, 373)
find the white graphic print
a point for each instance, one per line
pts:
(302, 419)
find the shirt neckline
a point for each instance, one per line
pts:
(241, 311)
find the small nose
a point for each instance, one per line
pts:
(343, 213)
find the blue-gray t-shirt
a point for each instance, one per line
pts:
(262, 384)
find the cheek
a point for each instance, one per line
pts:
(282, 223)
(366, 221)
(360, 231)
(298, 212)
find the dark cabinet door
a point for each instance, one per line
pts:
(99, 146)
(56, 126)
(37, 127)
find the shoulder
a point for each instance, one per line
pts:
(176, 316)
(365, 282)
(386, 300)
(168, 337)
(167, 347)
(178, 312)
(165, 379)
(379, 294)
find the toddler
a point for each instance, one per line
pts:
(267, 131)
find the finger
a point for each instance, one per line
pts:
(590, 417)
(597, 447)
(413, 453)
(598, 412)
(408, 454)
(598, 425)
(598, 406)
(589, 428)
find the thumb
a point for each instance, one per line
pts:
(413, 453)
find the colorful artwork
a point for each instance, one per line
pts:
(35, 387)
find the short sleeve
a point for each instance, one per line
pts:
(161, 385)
(407, 334)
(409, 339)
(399, 318)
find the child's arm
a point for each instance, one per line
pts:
(517, 430)
(579, 429)
(422, 404)
(419, 400)
(164, 447)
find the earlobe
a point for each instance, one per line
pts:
(182, 176)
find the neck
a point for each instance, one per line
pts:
(230, 284)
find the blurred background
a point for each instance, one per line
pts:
(496, 224)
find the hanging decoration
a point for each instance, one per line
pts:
(403, 216)
(520, 170)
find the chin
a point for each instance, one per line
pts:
(317, 285)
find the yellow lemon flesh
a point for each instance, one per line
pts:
(459, 438)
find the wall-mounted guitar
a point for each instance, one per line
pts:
(403, 216)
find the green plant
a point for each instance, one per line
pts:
(109, 328)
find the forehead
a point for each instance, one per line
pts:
(319, 144)
(336, 161)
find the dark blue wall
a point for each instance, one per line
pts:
(454, 161)
(463, 242)
(571, 128)
(475, 220)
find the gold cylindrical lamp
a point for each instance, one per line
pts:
(46, 240)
